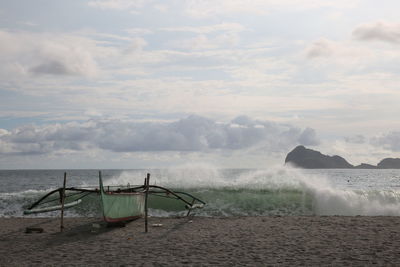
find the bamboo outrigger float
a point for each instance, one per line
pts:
(118, 203)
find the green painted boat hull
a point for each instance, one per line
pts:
(121, 206)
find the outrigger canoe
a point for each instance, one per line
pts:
(118, 203)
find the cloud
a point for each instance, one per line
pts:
(23, 53)
(351, 59)
(226, 27)
(308, 137)
(390, 141)
(193, 134)
(210, 8)
(52, 67)
(378, 31)
(356, 139)
(138, 31)
(136, 45)
(203, 42)
(221, 35)
(117, 4)
(321, 48)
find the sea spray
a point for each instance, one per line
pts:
(357, 202)
(183, 176)
(328, 199)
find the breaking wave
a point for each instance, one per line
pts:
(230, 192)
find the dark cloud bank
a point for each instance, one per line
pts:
(193, 133)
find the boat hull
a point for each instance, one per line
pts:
(121, 206)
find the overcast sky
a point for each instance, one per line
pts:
(231, 83)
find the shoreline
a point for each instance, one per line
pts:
(209, 241)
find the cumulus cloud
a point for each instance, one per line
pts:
(52, 67)
(308, 137)
(356, 139)
(193, 133)
(35, 53)
(321, 48)
(378, 31)
(390, 141)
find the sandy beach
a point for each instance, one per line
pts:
(200, 241)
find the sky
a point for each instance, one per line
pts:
(224, 83)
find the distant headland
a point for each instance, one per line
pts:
(310, 159)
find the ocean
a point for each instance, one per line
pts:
(278, 190)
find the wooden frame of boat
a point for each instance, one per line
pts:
(118, 203)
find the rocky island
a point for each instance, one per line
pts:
(310, 159)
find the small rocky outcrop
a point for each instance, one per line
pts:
(311, 159)
(365, 166)
(389, 163)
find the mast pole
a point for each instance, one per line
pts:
(147, 184)
(62, 202)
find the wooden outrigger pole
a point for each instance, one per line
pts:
(147, 185)
(63, 202)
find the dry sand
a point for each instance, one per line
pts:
(198, 241)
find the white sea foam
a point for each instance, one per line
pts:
(327, 199)
(331, 201)
(26, 192)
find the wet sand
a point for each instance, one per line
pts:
(199, 241)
